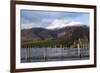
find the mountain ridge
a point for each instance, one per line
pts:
(65, 33)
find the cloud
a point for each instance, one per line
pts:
(36, 15)
(26, 26)
(51, 19)
(63, 23)
(30, 25)
(55, 24)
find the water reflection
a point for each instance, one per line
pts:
(52, 54)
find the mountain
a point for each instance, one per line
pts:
(65, 33)
(37, 34)
(74, 32)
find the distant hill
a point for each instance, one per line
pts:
(74, 32)
(37, 34)
(65, 33)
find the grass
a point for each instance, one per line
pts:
(47, 43)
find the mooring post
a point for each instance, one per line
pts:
(26, 54)
(78, 47)
(29, 53)
(45, 54)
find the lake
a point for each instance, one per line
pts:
(53, 54)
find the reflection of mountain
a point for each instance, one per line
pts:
(73, 32)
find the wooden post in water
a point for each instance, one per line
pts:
(78, 47)
(61, 51)
(29, 53)
(45, 54)
(55, 48)
(26, 54)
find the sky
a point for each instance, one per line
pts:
(52, 19)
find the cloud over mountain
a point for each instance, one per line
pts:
(63, 23)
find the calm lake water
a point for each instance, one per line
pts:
(52, 54)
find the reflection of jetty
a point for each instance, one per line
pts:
(54, 53)
(59, 57)
(59, 52)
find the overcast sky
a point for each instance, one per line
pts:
(52, 19)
